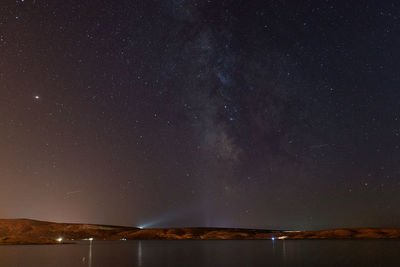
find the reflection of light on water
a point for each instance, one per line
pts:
(139, 253)
(273, 245)
(90, 254)
(284, 252)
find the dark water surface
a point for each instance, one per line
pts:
(206, 253)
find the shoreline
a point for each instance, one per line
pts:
(31, 232)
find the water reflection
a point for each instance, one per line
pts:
(273, 246)
(284, 251)
(199, 253)
(90, 254)
(139, 253)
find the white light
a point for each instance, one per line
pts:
(91, 239)
(60, 239)
(37, 97)
(273, 238)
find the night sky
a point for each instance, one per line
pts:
(256, 114)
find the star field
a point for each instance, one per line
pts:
(258, 114)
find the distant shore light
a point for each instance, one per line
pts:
(60, 239)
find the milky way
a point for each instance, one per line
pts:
(269, 114)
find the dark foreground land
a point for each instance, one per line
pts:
(25, 231)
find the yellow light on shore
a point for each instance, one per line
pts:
(60, 239)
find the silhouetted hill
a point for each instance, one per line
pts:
(25, 231)
(351, 233)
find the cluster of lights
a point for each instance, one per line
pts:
(60, 239)
(279, 237)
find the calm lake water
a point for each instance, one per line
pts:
(206, 253)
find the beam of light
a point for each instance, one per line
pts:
(151, 224)
(161, 220)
